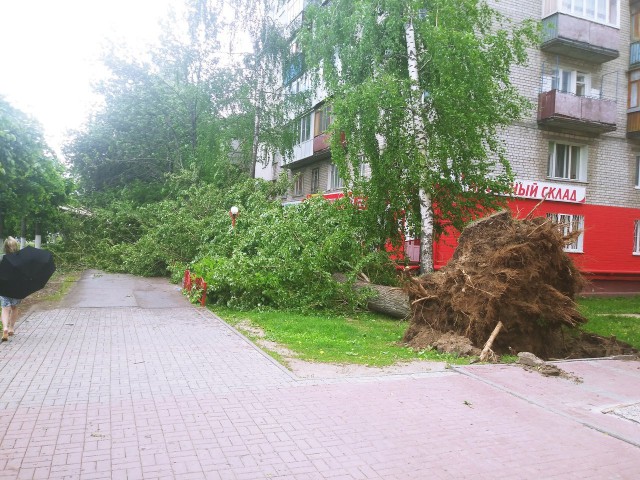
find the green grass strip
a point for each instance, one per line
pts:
(607, 318)
(365, 338)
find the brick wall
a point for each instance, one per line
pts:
(305, 171)
(611, 162)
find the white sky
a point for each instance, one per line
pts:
(50, 50)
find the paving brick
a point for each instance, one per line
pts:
(116, 393)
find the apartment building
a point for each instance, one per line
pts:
(579, 149)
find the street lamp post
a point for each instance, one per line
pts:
(233, 213)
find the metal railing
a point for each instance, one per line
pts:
(601, 85)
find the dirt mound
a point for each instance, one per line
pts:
(510, 271)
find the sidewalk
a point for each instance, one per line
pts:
(127, 380)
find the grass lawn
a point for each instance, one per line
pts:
(374, 340)
(365, 338)
(607, 317)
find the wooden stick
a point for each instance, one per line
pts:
(486, 351)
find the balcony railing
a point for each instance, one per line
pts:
(579, 38)
(560, 110)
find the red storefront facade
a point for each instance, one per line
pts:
(607, 250)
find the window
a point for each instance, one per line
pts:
(636, 238)
(362, 169)
(298, 186)
(570, 224)
(572, 81)
(315, 180)
(601, 11)
(292, 69)
(638, 171)
(567, 162)
(335, 180)
(634, 89)
(302, 129)
(292, 9)
(635, 22)
(582, 84)
(322, 120)
(305, 128)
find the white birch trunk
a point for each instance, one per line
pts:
(256, 125)
(426, 233)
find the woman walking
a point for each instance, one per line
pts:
(9, 305)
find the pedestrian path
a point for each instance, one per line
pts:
(126, 380)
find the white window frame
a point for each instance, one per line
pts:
(606, 12)
(573, 169)
(305, 128)
(336, 182)
(568, 81)
(636, 237)
(568, 223)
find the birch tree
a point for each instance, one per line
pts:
(271, 105)
(420, 91)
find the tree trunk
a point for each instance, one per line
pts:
(23, 233)
(392, 301)
(38, 237)
(426, 231)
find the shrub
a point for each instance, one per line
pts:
(277, 256)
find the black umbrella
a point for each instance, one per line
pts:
(25, 272)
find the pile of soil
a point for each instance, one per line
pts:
(511, 271)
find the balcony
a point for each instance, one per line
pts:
(633, 125)
(321, 142)
(579, 38)
(565, 111)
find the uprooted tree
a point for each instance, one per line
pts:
(510, 271)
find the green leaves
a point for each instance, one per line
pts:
(285, 256)
(31, 178)
(465, 53)
(276, 256)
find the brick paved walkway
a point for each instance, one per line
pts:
(157, 388)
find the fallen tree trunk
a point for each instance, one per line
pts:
(392, 301)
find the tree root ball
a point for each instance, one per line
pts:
(509, 270)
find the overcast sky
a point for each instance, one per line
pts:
(50, 50)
